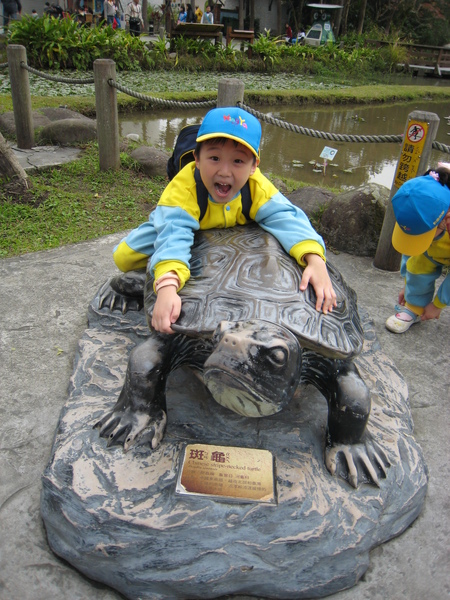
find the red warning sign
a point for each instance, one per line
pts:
(415, 133)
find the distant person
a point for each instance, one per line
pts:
(110, 11)
(198, 14)
(288, 33)
(54, 10)
(190, 15)
(11, 8)
(421, 234)
(34, 13)
(207, 18)
(133, 17)
(182, 17)
(301, 37)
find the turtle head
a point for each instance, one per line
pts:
(255, 367)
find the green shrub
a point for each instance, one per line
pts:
(64, 44)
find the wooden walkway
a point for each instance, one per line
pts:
(426, 60)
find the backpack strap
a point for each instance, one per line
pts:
(202, 197)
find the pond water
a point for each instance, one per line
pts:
(282, 151)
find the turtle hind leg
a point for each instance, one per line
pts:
(348, 453)
(140, 415)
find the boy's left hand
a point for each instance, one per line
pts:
(316, 274)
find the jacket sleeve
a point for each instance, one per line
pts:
(285, 221)
(175, 229)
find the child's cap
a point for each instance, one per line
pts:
(419, 206)
(233, 123)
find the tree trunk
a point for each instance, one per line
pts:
(278, 17)
(241, 14)
(345, 11)
(145, 15)
(362, 14)
(252, 15)
(10, 167)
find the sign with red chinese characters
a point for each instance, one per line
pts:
(224, 472)
(408, 164)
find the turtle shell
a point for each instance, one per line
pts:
(243, 273)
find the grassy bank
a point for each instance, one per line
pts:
(73, 203)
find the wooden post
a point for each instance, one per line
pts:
(230, 92)
(21, 97)
(107, 114)
(420, 133)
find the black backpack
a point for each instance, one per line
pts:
(183, 153)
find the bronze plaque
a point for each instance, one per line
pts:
(226, 472)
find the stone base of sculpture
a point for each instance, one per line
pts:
(116, 517)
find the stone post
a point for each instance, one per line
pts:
(107, 114)
(420, 132)
(21, 97)
(230, 92)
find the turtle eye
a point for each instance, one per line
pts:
(277, 356)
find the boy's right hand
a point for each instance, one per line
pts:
(166, 309)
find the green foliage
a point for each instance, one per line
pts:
(76, 202)
(64, 44)
(268, 48)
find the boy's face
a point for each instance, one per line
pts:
(225, 168)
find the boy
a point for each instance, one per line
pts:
(226, 158)
(421, 234)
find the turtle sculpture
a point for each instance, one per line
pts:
(254, 337)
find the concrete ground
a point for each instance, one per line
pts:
(43, 302)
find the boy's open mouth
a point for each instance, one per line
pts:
(222, 189)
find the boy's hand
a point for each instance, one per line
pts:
(317, 275)
(430, 312)
(166, 309)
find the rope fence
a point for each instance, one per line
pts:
(336, 137)
(160, 101)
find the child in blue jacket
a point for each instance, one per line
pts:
(421, 234)
(227, 157)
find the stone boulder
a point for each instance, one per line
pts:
(8, 126)
(68, 132)
(152, 161)
(41, 118)
(311, 199)
(352, 221)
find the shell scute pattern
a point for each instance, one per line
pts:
(243, 273)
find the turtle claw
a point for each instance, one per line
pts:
(123, 292)
(357, 463)
(110, 298)
(128, 429)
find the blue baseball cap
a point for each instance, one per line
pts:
(419, 206)
(233, 123)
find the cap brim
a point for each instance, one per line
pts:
(211, 136)
(411, 245)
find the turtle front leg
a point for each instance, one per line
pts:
(123, 292)
(349, 453)
(139, 416)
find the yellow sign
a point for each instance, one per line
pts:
(408, 164)
(238, 474)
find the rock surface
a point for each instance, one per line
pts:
(153, 162)
(115, 516)
(67, 132)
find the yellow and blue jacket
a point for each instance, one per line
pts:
(167, 237)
